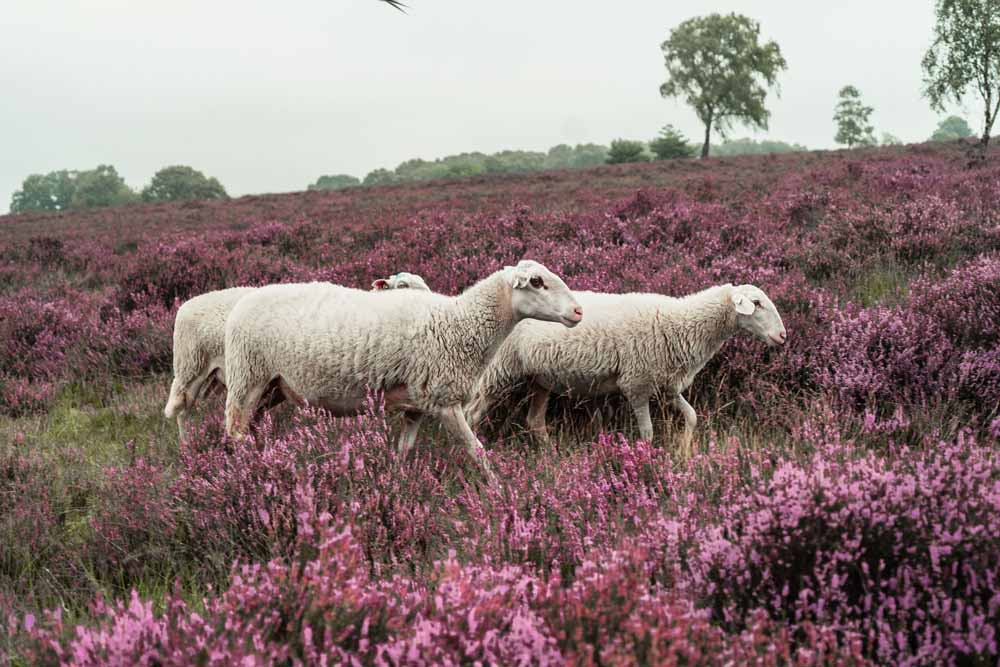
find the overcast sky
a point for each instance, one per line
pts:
(268, 95)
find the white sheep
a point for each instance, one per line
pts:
(638, 344)
(331, 346)
(199, 343)
(402, 280)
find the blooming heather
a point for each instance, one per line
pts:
(842, 506)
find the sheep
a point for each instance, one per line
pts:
(199, 343)
(199, 354)
(331, 346)
(636, 344)
(401, 280)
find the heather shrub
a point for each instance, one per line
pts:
(964, 302)
(828, 514)
(28, 518)
(884, 355)
(551, 518)
(134, 524)
(902, 550)
(246, 499)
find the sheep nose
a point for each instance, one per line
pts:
(783, 336)
(578, 311)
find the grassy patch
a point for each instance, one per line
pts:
(884, 283)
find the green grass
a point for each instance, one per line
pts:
(882, 282)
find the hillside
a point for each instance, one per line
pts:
(840, 505)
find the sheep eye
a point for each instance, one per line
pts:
(403, 285)
(756, 302)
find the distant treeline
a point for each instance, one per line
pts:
(562, 156)
(103, 186)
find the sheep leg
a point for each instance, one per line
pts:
(479, 405)
(536, 413)
(690, 420)
(453, 419)
(240, 409)
(181, 426)
(640, 407)
(411, 425)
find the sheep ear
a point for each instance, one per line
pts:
(517, 277)
(380, 284)
(743, 305)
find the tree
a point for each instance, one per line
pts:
(889, 139)
(180, 183)
(101, 187)
(748, 146)
(965, 53)
(380, 176)
(670, 144)
(335, 182)
(624, 150)
(49, 192)
(559, 156)
(851, 117)
(952, 128)
(719, 66)
(588, 155)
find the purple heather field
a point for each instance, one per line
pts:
(841, 505)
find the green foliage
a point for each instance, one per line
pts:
(952, 128)
(851, 117)
(748, 146)
(562, 156)
(335, 182)
(584, 156)
(101, 187)
(670, 144)
(379, 176)
(49, 192)
(965, 54)
(180, 183)
(889, 139)
(625, 150)
(720, 68)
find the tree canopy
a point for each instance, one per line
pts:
(965, 55)
(181, 183)
(722, 70)
(45, 192)
(670, 144)
(851, 117)
(335, 182)
(748, 146)
(625, 150)
(952, 128)
(101, 186)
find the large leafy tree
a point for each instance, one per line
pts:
(851, 117)
(380, 176)
(720, 67)
(48, 192)
(965, 55)
(335, 182)
(951, 128)
(101, 187)
(181, 183)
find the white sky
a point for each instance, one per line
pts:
(268, 95)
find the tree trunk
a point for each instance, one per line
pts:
(708, 133)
